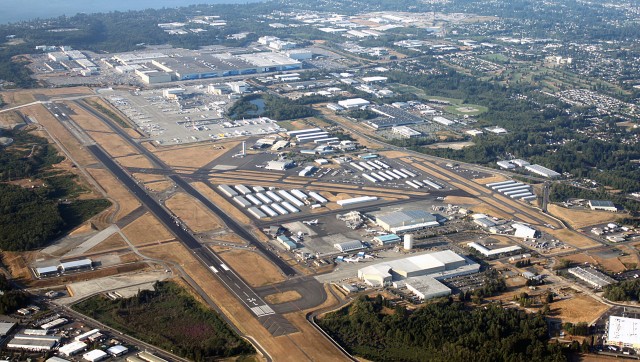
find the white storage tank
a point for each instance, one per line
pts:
(408, 241)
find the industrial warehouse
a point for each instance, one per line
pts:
(185, 64)
(623, 332)
(409, 220)
(420, 274)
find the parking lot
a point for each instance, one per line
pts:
(196, 116)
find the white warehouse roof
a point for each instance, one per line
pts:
(625, 331)
(436, 264)
(487, 252)
(72, 348)
(94, 355)
(353, 102)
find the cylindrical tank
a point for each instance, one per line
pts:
(408, 241)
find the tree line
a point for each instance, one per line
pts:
(442, 331)
(276, 108)
(170, 318)
(29, 218)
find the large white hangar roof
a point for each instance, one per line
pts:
(624, 330)
(267, 59)
(407, 216)
(433, 263)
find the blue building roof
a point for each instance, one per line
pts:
(388, 238)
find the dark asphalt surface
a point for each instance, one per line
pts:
(233, 225)
(206, 256)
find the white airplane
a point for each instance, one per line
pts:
(311, 222)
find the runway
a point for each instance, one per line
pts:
(267, 316)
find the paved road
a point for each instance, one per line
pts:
(310, 290)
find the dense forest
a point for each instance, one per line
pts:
(169, 318)
(627, 290)
(29, 218)
(276, 108)
(441, 331)
(10, 298)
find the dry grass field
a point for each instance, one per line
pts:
(580, 258)
(571, 237)
(613, 265)
(431, 172)
(193, 156)
(135, 161)
(116, 191)
(82, 229)
(252, 267)
(230, 237)
(115, 145)
(192, 213)
(146, 229)
(278, 298)
(148, 177)
(581, 218)
(10, 119)
(490, 179)
(579, 308)
(86, 120)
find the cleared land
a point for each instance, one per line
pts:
(254, 269)
(581, 218)
(579, 308)
(572, 238)
(126, 202)
(115, 145)
(146, 229)
(10, 119)
(451, 145)
(135, 161)
(192, 213)
(490, 179)
(613, 265)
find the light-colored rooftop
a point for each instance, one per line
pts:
(406, 217)
(624, 330)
